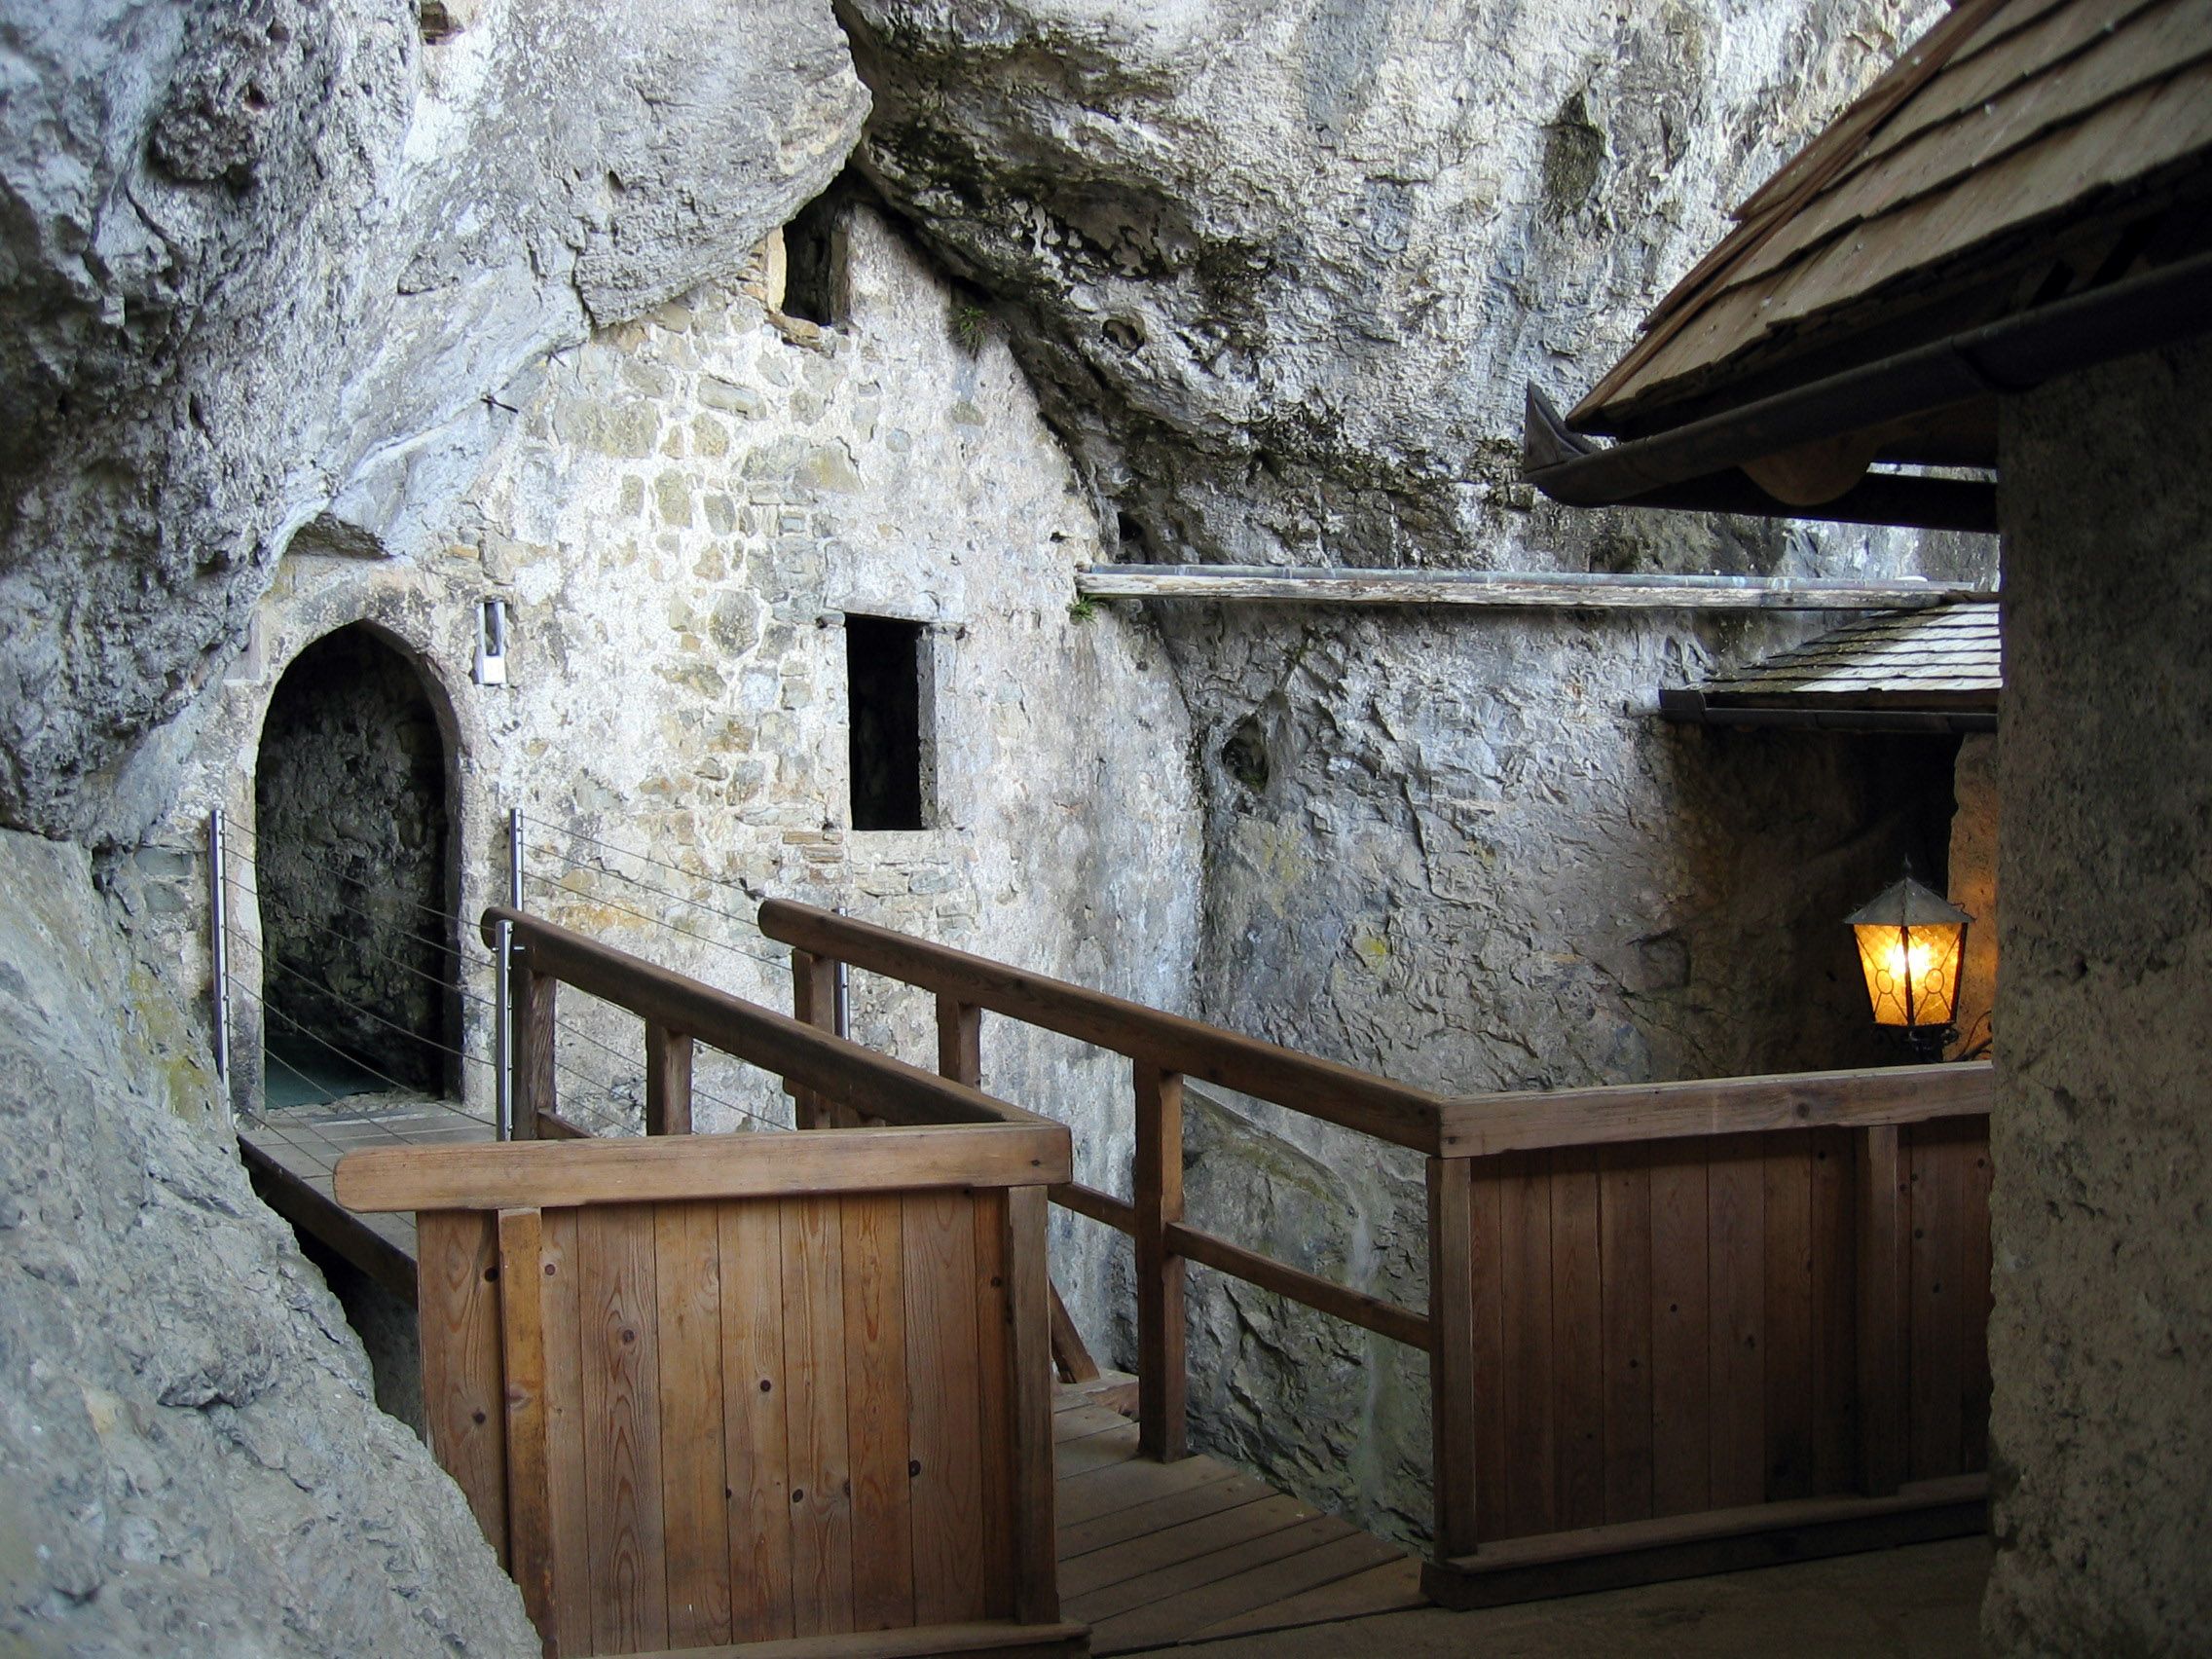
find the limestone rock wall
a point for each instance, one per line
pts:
(188, 1462)
(272, 265)
(1281, 273)
(2101, 1423)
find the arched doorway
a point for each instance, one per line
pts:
(353, 846)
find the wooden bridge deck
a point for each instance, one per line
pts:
(1151, 1554)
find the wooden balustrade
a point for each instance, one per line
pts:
(1672, 1327)
(761, 1387)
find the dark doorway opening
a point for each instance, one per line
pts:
(883, 680)
(352, 854)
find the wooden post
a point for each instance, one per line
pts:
(530, 1489)
(1036, 1580)
(668, 1081)
(814, 999)
(1885, 1256)
(532, 1016)
(1159, 1196)
(1452, 1352)
(960, 1041)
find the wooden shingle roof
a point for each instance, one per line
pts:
(2023, 151)
(1897, 669)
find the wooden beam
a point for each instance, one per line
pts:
(668, 1081)
(536, 1000)
(1071, 1355)
(1354, 1306)
(814, 1002)
(1557, 590)
(1162, 1377)
(1321, 1088)
(1036, 1580)
(1102, 1208)
(1692, 1546)
(1481, 1125)
(550, 1174)
(1452, 1352)
(530, 1489)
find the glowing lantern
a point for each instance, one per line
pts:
(1912, 947)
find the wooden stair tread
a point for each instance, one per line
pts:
(1168, 1583)
(1202, 1535)
(1155, 1514)
(1391, 1588)
(1109, 1445)
(1097, 1492)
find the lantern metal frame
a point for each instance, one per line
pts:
(1915, 911)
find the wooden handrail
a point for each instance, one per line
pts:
(485, 1176)
(1370, 1312)
(835, 1070)
(1327, 1089)
(1479, 1125)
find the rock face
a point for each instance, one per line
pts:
(268, 265)
(1281, 273)
(2101, 1422)
(189, 1460)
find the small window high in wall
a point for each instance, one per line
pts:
(884, 708)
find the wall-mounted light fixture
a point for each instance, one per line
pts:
(1913, 948)
(492, 642)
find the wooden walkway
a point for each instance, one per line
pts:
(1151, 1554)
(1154, 1555)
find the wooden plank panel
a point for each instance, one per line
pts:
(814, 1418)
(1452, 1378)
(694, 1478)
(668, 1081)
(558, 1305)
(1788, 1316)
(522, 1356)
(1487, 1272)
(1736, 1269)
(464, 1394)
(944, 1400)
(1976, 1298)
(994, 1379)
(875, 1412)
(1937, 1306)
(755, 1440)
(1036, 1594)
(1524, 1240)
(1835, 1314)
(621, 1422)
(1681, 1359)
(1578, 1349)
(1884, 1269)
(1624, 1215)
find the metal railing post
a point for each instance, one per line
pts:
(219, 928)
(841, 1003)
(503, 1018)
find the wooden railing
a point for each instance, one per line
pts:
(1668, 1324)
(756, 1388)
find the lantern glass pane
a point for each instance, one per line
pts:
(1912, 973)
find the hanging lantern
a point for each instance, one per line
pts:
(1912, 947)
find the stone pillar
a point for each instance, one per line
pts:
(1973, 867)
(2101, 1343)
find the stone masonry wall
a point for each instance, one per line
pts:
(683, 510)
(2101, 1341)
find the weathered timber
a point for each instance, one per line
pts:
(1102, 1208)
(1162, 1379)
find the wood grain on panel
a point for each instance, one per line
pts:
(1789, 1319)
(565, 1431)
(457, 1300)
(620, 1366)
(521, 1352)
(687, 1251)
(994, 1381)
(819, 1462)
(1681, 1352)
(1578, 1349)
(755, 1450)
(943, 1398)
(876, 1388)
(1976, 1301)
(1524, 1240)
(1624, 1214)
(1486, 1268)
(1835, 1314)
(1736, 1269)
(1937, 1307)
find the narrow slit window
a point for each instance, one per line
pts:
(883, 681)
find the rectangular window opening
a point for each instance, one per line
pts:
(884, 707)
